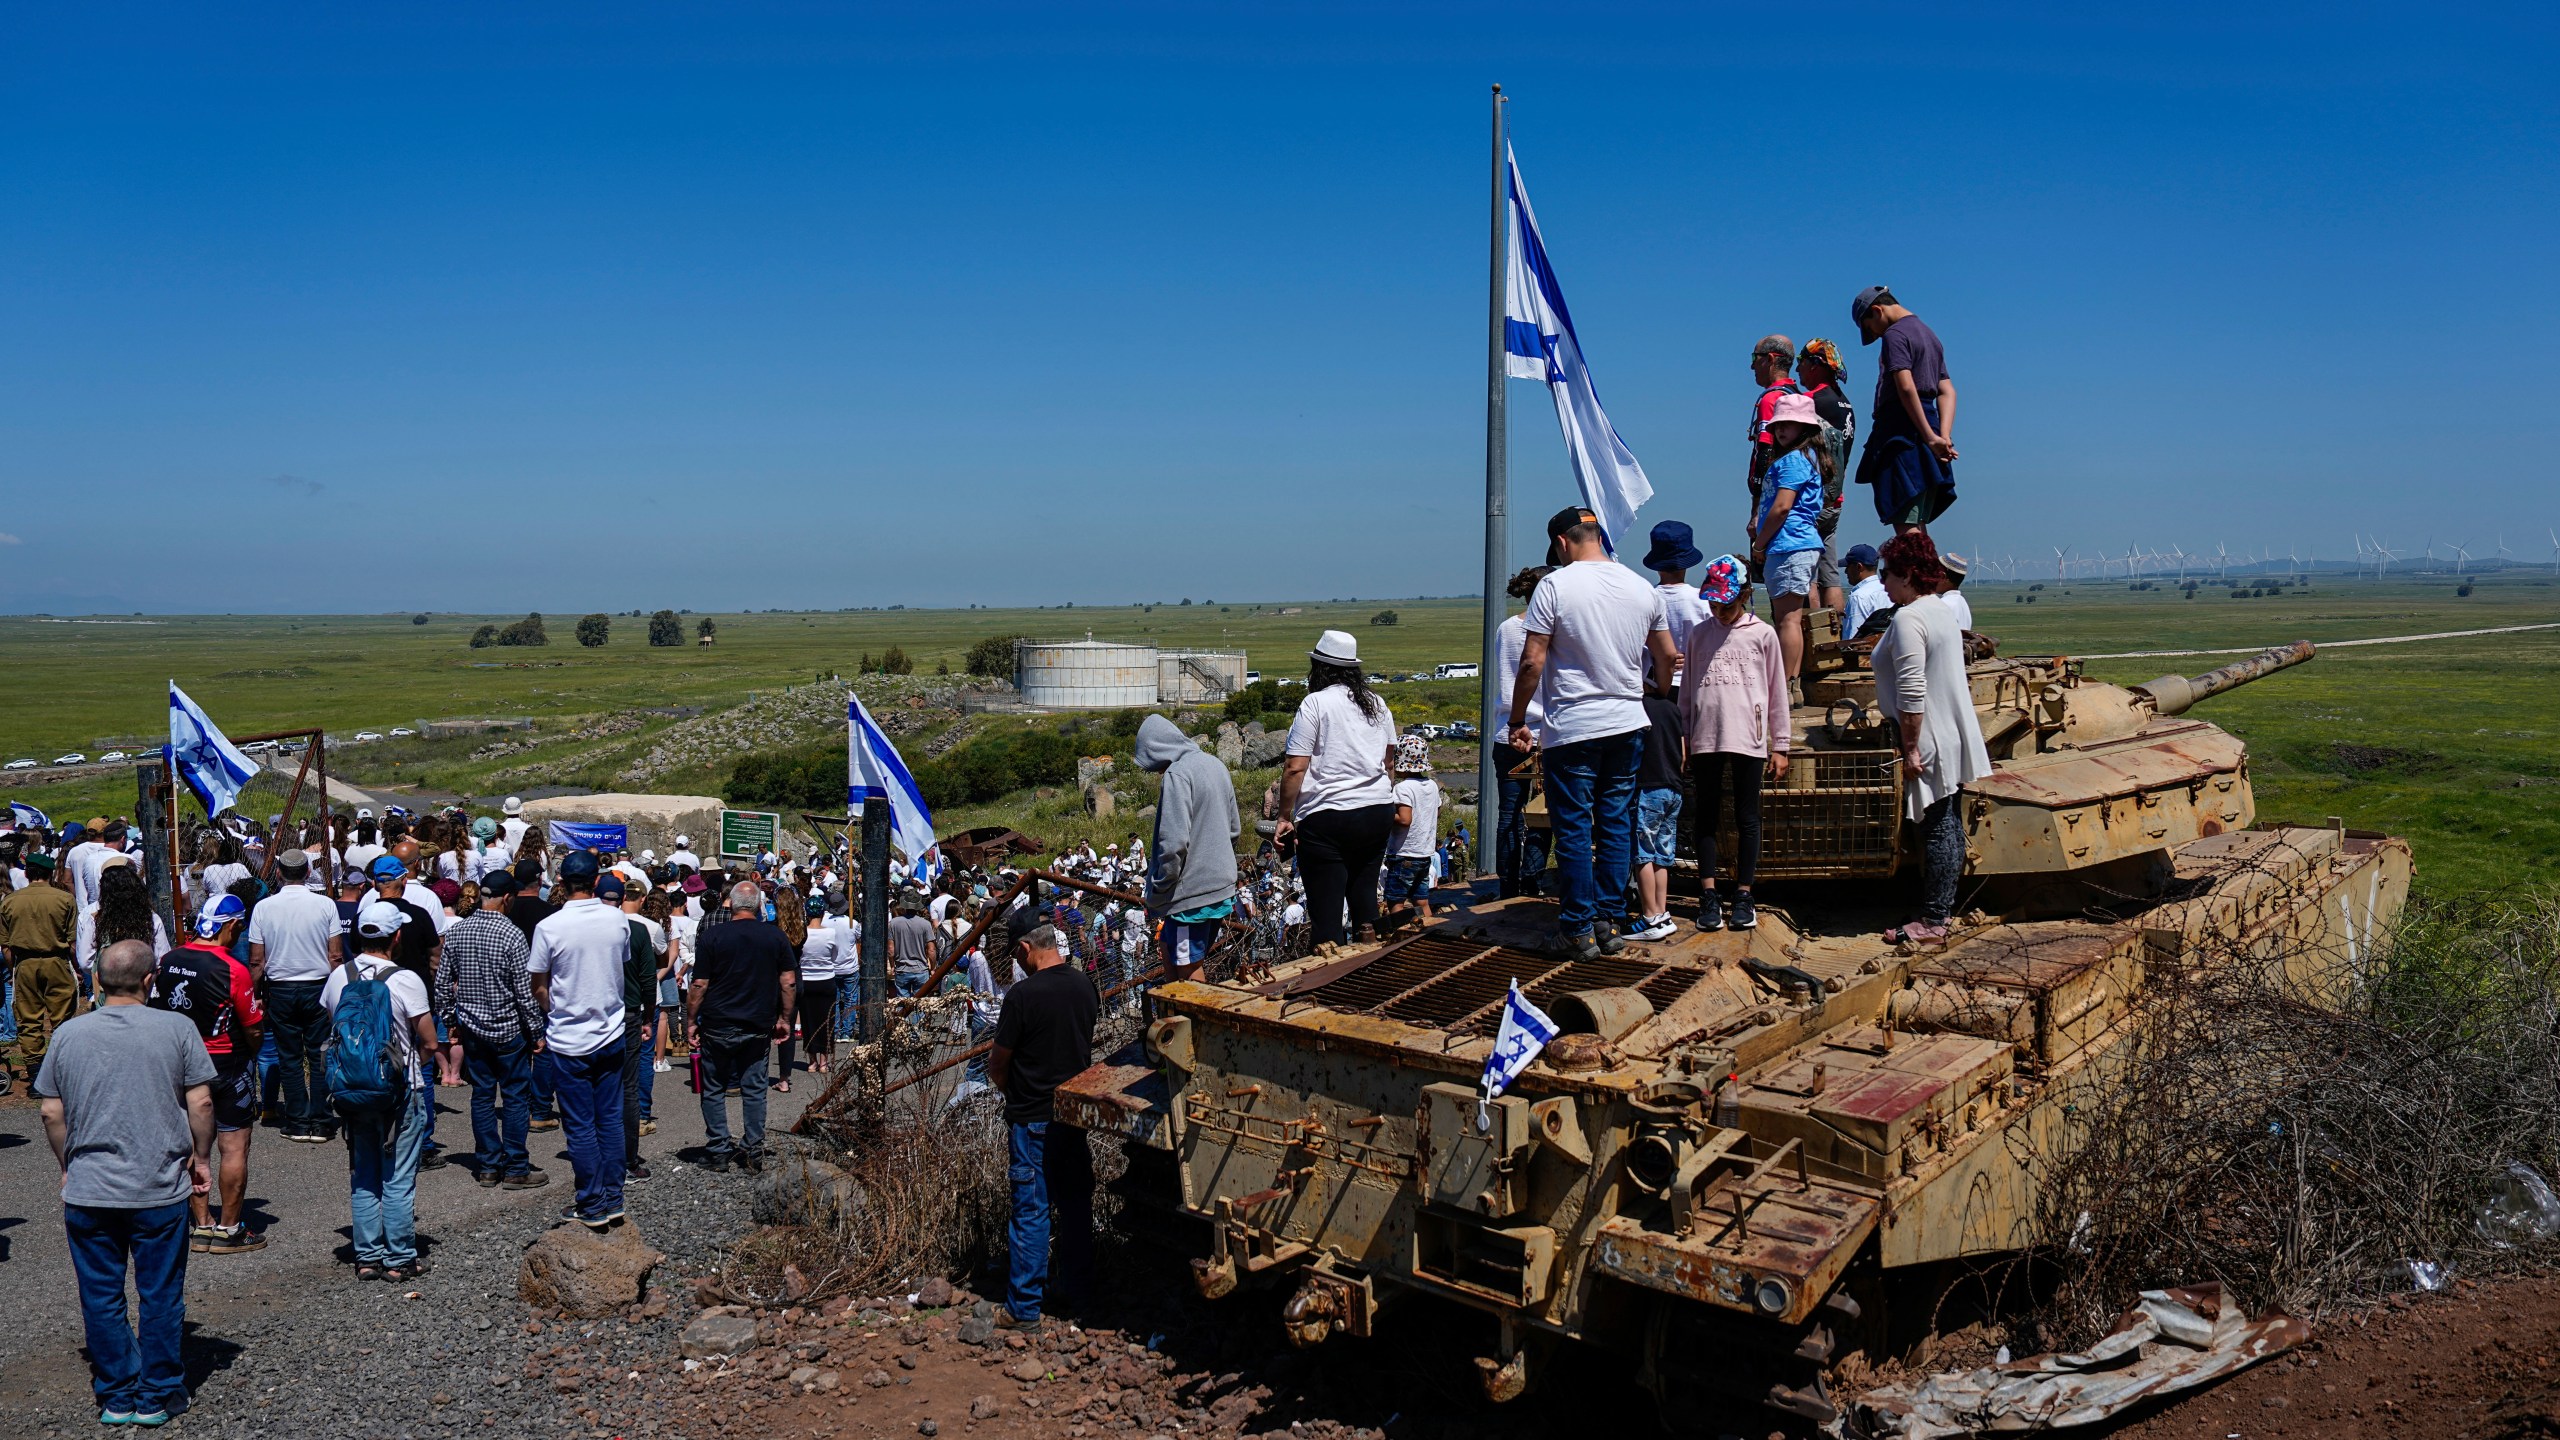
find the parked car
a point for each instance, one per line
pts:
(363, 736)
(1253, 677)
(74, 758)
(113, 755)
(399, 732)
(19, 765)
(1460, 730)
(258, 747)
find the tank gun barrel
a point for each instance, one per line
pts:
(2173, 694)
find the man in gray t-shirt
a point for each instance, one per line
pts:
(911, 948)
(128, 1109)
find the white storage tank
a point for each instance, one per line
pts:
(1085, 674)
(1198, 677)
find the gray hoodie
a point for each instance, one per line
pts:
(1193, 860)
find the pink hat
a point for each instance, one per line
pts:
(1796, 408)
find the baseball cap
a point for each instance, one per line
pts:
(1867, 300)
(1863, 555)
(1568, 517)
(497, 882)
(610, 887)
(444, 890)
(381, 919)
(579, 865)
(223, 910)
(387, 867)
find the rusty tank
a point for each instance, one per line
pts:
(1738, 1140)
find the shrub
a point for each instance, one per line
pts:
(484, 637)
(594, 630)
(666, 629)
(1383, 617)
(418, 619)
(706, 627)
(992, 656)
(896, 663)
(527, 631)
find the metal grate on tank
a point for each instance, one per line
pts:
(1449, 983)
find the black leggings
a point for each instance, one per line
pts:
(817, 1007)
(1338, 855)
(1706, 788)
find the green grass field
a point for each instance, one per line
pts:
(2448, 742)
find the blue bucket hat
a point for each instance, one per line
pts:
(1673, 547)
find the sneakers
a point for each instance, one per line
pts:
(434, 1159)
(1660, 927)
(1743, 916)
(662, 1067)
(1606, 939)
(592, 1222)
(552, 1124)
(527, 1179)
(200, 1238)
(237, 1240)
(648, 1127)
(1582, 947)
(636, 1170)
(716, 1164)
(151, 1419)
(1007, 1320)
(1710, 915)
(487, 1176)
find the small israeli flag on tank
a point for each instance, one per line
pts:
(1525, 1031)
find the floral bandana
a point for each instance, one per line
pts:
(1724, 580)
(1828, 354)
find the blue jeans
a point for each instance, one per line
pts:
(132, 1370)
(637, 1079)
(590, 1097)
(908, 983)
(299, 1029)
(742, 1065)
(1052, 1200)
(9, 1006)
(501, 1079)
(1591, 799)
(382, 1181)
(546, 1081)
(1519, 850)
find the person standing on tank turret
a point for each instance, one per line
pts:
(1911, 449)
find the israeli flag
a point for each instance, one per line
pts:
(1525, 1031)
(199, 754)
(1538, 344)
(876, 773)
(28, 815)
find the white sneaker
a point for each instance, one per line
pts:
(1660, 927)
(662, 1067)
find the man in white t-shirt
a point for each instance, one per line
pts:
(513, 827)
(1592, 626)
(1866, 591)
(295, 939)
(383, 1151)
(577, 971)
(1953, 591)
(682, 857)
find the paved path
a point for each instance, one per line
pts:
(298, 1293)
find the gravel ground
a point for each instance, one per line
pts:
(284, 1342)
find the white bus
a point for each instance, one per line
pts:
(1457, 670)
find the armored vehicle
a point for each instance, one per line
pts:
(1739, 1139)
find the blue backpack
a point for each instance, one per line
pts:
(367, 1077)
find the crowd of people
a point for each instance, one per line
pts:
(1650, 708)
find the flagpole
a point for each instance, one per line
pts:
(1497, 526)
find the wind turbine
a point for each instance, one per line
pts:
(2461, 557)
(2061, 562)
(2221, 562)
(2555, 550)
(2504, 554)
(2388, 555)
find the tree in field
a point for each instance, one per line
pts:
(527, 631)
(418, 619)
(484, 637)
(666, 629)
(1383, 617)
(706, 629)
(992, 656)
(897, 663)
(594, 630)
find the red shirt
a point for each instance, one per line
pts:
(205, 984)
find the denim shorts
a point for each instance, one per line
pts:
(1790, 572)
(1408, 877)
(1657, 827)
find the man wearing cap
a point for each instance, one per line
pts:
(682, 857)
(39, 927)
(419, 943)
(1519, 849)
(1911, 448)
(745, 982)
(1952, 591)
(384, 1150)
(1674, 551)
(485, 997)
(1866, 592)
(577, 975)
(1592, 627)
(201, 981)
(295, 939)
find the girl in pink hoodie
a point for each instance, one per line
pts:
(1733, 708)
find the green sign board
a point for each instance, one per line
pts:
(745, 834)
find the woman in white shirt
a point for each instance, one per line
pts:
(1921, 684)
(822, 965)
(1337, 803)
(122, 912)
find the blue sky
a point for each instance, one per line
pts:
(581, 307)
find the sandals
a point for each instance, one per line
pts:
(368, 1272)
(782, 1087)
(408, 1272)
(1916, 932)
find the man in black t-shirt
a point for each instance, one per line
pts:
(1044, 1038)
(739, 1002)
(526, 908)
